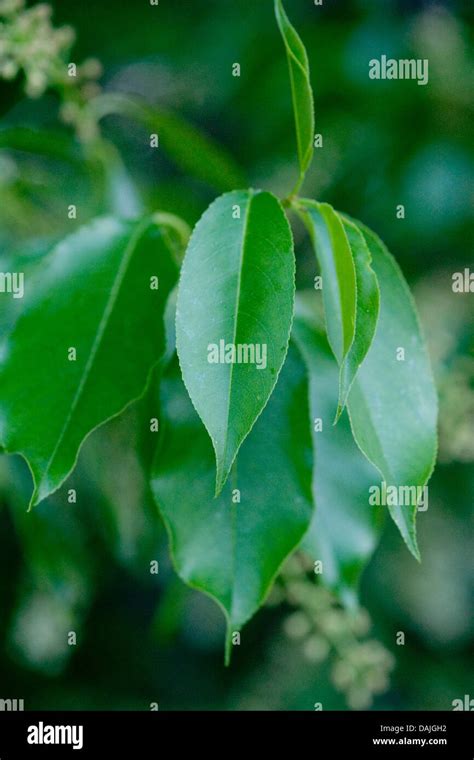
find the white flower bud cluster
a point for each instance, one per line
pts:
(360, 666)
(32, 46)
(10, 7)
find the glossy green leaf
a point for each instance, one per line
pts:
(192, 151)
(350, 289)
(367, 310)
(235, 296)
(337, 267)
(392, 403)
(345, 527)
(92, 295)
(231, 547)
(302, 94)
(338, 273)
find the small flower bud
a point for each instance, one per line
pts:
(9, 69)
(36, 84)
(91, 68)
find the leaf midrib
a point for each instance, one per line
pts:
(111, 301)
(284, 22)
(236, 317)
(303, 157)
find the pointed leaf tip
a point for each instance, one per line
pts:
(87, 288)
(302, 94)
(234, 312)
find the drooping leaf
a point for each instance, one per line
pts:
(302, 94)
(335, 259)
(350, 289)
(235, 296)
(367, 310)
(89, 333)
(392, 403)
(231, 547)
(338, 273)
(194, 152)
(345, 527)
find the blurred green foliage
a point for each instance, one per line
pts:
(145, 638)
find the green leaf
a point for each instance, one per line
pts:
(236, 293)
(54, 144)
(367, 310)
(338, 273)
(339, 278)
(92, 294)
(392, 403)
(302, 94)
(350, 289)
(345, 528)
(232, 549)
(193, 152)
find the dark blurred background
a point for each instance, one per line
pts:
(145, 638)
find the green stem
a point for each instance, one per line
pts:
(113, 104)
(294, 193)
(164, 219)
